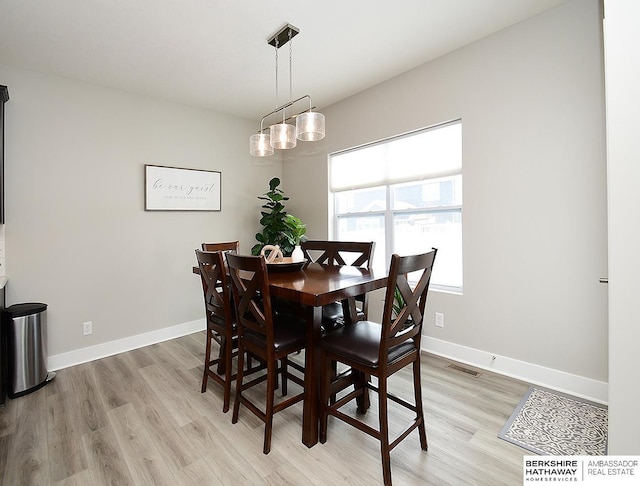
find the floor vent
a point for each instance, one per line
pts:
(463, 369)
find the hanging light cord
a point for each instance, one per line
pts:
(290, 65)
(276, 73)
(277, 46)
(284, 111)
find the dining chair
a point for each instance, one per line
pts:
(225, 246)
(269, 336)
(353, 253)
(219, 317)
(381, 350)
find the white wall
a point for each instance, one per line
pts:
(77, 235)
(623, 103)
(534, 224)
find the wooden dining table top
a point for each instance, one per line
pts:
(317, 285)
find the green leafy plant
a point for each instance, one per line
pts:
(278, 227)
(398, 302)
(398, 305)
(297, 229)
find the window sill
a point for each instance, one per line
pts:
(444, 290)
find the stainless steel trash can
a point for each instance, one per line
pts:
(26, 334)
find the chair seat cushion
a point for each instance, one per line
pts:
(360, 342)
(287, 333)
(332, 313)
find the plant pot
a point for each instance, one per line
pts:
(297, 255)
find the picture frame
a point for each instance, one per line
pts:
(181, 189)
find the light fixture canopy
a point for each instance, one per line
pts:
(310, 125)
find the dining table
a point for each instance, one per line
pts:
(313, 286)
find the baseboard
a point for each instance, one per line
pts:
(597, 391)
(580, 386)
(84, 355)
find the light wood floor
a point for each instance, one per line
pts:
(139, 418)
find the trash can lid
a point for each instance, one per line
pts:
(19, 310)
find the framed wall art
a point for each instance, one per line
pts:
(176, 189)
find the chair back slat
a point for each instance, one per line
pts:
(233, 246)
(353, 253)
(250, 288)
(404, 322)
(215, 287)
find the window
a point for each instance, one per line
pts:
(405, 194)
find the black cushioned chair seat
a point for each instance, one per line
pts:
(333, 312)
(287, 333)
(360, 342)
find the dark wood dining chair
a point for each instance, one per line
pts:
(233, 246)
(381, 350)
(353, 253)
(268, 336)
(220, 318)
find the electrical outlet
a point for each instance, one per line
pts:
(87, 328)
(439, 319)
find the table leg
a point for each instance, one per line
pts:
(310, 414)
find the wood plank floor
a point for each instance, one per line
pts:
(138, 418)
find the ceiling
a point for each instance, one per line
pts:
(214, 53)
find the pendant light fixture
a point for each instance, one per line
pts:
(310, 125)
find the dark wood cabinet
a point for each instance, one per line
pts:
(4, 97)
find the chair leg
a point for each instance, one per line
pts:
(363, 401)
(272, 371)
(228, 364)
(284, 368)
(207, 358)
(417, 388)
(334, 373)
(384, 431)
(221, 358)
(239, 378)
(326, 375)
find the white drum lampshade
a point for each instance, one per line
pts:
(259, 145)
(283, 136)
(310, 126)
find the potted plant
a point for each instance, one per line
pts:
(278, 227)
(297, 230)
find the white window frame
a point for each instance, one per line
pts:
(389, 214)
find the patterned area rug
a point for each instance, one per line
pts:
(547, 422)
